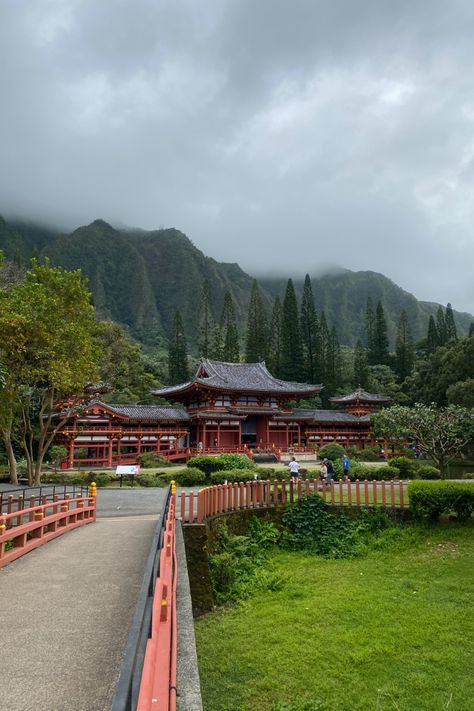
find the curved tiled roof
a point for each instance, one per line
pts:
(322, 416)
(149, 412)
(246, 377)
(360, 395)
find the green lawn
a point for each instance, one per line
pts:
(394, 630)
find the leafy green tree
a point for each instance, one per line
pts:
(361, 369)
(404, 349)
(332, 366)
(451, 332)
(256, 344)
(292, 346)
(441, 433)
(275, 339)
(48, 338)
(177, 352)
(231, 350)
(461, 393)
(217, 343)
(471, 329)
(432, 339)
(310, 333)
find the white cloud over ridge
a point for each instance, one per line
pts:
(283, 136)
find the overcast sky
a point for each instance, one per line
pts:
(285, 135)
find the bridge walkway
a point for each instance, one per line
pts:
(65, 609)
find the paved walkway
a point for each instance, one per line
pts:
(65, 608)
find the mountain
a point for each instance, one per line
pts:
(138, 278)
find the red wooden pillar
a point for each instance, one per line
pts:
(71, 453)
(109, 453)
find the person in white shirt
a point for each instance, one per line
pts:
(294, 468)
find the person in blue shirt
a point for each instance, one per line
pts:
(345, 465)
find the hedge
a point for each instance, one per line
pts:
(429, 499)
(192, 476)
(223, 462)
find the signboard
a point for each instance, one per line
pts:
(130, 470)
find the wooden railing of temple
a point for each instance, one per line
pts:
(26, 524)
(197, 507)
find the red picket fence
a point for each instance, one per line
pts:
(224, 498)
(27, 525)
(158, 681)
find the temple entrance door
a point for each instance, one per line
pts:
(249, 431)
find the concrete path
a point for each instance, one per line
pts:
(65, 608)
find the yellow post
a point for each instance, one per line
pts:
(93, 489)
(173, 486)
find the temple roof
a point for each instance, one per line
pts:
(321, 416)
(360, 395)
(244, 377)
(149, 412)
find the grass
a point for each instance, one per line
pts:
(393, 630)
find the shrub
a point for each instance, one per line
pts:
(332, 450)
(151, 461)
(382, 473)
(406, 466)
(192, 476)
(147, 479)
(102, 479)
(265, 472)
(427, 471)
(232, 476)
(65, 478)
(209, 464)
(430, 499)
(367, 454)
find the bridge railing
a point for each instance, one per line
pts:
(11, 499)
(197, 507)
(147, 679)
(30, 525)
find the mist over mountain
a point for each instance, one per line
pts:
(138, 278)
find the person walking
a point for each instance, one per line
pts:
(330, 471)
(323, 470)
(293, 466)
(346, 466)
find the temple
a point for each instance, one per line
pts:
(225, 407)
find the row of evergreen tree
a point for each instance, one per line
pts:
(297, 343)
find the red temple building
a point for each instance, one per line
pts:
(231, 407)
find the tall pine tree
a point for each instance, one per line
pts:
(206, 322)
(309, 332)
(323, 347)
(370, 327)
(404, 349)
(333, 375)
(256, 343)
(275, 340)
(231, 351)
(361, 368)
(381, 354)
(432, 338)
(441, 326)
(177, 352)
(450, 324)
(292, 347)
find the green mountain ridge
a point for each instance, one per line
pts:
(138, 278)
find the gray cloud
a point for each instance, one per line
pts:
(283, 136)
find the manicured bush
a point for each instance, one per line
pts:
(430, 499)
(232, 476)
(427, 471)
(209, 464)
(381, 473)
(151, 461)
(366, 454)
(65, 478)
(166, 477)
(331, 450)
(147, 479)
(265, 472)
(102, 479)
(407, 467)
(192, 476)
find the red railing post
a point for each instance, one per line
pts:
(374, 491)
(392, 493)
(324, 487)
(191, 507)
(384, 494)
(341, 492)
(402, 500)
(349, 492)
(183, 506)
(358, 493)
(366, 492)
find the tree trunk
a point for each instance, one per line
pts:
(11, 458)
